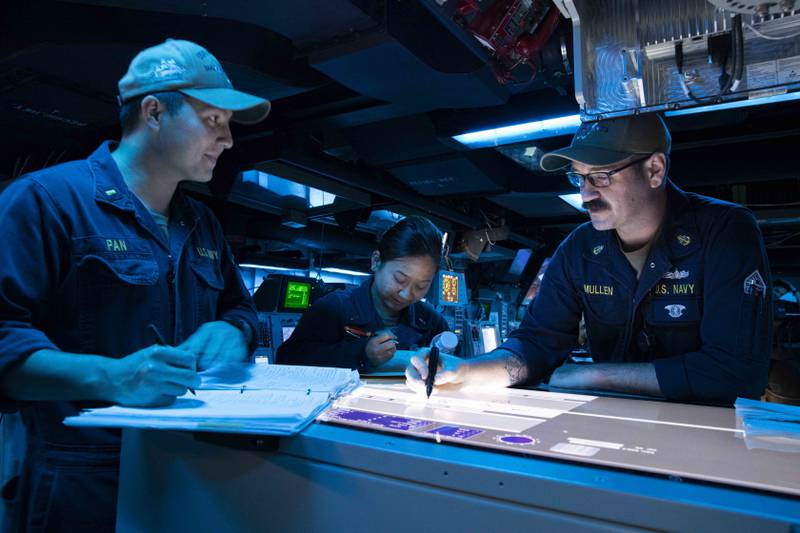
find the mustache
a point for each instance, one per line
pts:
(595, 204)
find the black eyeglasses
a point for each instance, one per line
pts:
(599, 179)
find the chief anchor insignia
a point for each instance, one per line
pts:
(675, 310)
(685, 240)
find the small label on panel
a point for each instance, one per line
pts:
(789, 70)
(596, 443)
(574, 449)
(762, 74)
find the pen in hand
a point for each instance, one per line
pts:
(433, 366)
(160, 342)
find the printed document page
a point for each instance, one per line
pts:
(279, 377)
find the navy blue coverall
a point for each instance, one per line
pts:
(85, 269)
(320, 338)
(700, 312)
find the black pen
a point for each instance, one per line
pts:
(433, 366)
(160, 341)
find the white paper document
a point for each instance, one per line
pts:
(279, 377)
(510, 410)
(237, 398)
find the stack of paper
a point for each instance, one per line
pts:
(237, 398)
(769, 425)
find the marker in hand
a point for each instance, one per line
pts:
(433, 366)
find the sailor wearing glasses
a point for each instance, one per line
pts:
(673, 285)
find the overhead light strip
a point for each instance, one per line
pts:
(268, 267)
(569, 124)
(527, 131)
(334, 270)
(330, 270)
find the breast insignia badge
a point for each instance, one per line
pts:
(675, 310)
(676, 274)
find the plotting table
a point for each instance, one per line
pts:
(385, 460)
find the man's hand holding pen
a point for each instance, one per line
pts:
(452, 371)
(153, 376)
(381, 347)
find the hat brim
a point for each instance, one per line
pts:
(588, 155)
(247, 109)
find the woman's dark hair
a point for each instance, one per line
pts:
(129, 112)
(411, 237)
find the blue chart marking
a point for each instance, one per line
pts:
(518, 440)
(455, 432)
(387, 421)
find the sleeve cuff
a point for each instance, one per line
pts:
(242, 320)
(672, 378)
(363, 363)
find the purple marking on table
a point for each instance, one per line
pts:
(455, 432)
(391, 422)
(355, 416)
(517, 439)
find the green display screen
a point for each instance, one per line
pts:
(298, 295)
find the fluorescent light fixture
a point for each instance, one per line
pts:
(527, 131)
(569, 124)
(334, 270)
(574, 200)
(268, 267)
(775, 98)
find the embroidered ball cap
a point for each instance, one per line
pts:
(609, 141)
(184, 66)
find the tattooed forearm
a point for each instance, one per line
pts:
(500, 368)
(516, 368)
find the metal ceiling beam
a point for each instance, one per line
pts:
(346, 174)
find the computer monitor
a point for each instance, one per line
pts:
(286, 332)
(519, 263)
(297, 295)
(286, 294)
(489, 338)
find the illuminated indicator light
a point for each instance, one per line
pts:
(450, 288)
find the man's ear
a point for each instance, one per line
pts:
(656, 169)
(151, 109)
(375, 261)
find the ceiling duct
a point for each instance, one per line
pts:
(388, 62)
(650, 55)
